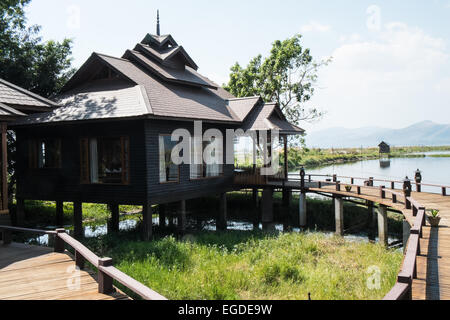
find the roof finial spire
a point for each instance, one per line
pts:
(158, 32)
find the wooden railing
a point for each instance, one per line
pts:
(402, 290)
(371, 180)
(403, 287)
(107, 273)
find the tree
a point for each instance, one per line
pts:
(27, 61)
(287, 76)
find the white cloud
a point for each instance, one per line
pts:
(398, 77)
(314, 26)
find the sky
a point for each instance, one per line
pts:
(391, 59)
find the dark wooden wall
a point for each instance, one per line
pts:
(186, 188)
(64, 183)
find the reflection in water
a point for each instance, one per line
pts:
(206, 225)
(385, 163)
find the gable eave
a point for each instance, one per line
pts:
(84, 69)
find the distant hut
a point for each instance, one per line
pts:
(384, 148)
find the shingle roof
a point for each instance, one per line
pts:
(267, 117)
(11, 94)
(187, 76)
(164, 53)
(242, 106)
(99, 100)
(172, 100)
(6, 111)
(142, 86)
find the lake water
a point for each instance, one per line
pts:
(434, 170)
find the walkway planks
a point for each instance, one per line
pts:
(433, 264)
(37, 273)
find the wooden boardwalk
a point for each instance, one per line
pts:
(37, 273)
(433, 263)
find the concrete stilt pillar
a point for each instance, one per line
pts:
(302, 209)
(113, 225)
(339, 215)
(382, 225)
(20, 211)
(147, 214)
(267, 209)
(221, 223)
(406, 234)
(78, 230)
(371, 217)
(182, 216)
(162, 215)
(59, 213)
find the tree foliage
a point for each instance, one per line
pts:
(287, 76)
(27, 61)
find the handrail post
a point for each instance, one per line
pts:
(58, 245)
(371, 181)
(6, 236)
(105, 282)
(334, 178)
(394, 198)
(302, 178)
(358, 190)
(338, 186)
(79, 260)
(382, 192)
(392, 185)
(407, 280)
(444, 191)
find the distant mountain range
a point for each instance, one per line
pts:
(423, 133)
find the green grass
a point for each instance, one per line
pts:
(248, 265)
(43, 213)
(440, 156)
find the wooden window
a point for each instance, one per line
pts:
(105, 160)
(168, 171)
(205, 170)
(45, 153)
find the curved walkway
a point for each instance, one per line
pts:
(433, 262)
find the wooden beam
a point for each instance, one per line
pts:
(147, 213)
(286, 173)
(113, 225)
(59, 213)
(267, 209)
(182, 216)
(221, 223)
(162, 215)
(78, 219)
